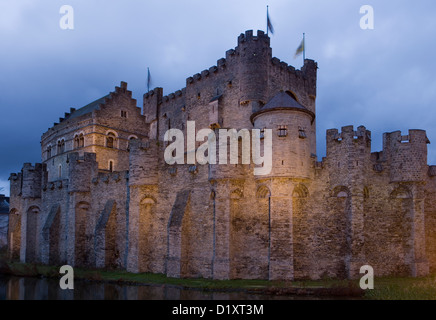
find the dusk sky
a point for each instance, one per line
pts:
(383, 78)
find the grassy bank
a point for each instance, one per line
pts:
(391, 288)
(385, 288)
(327, 287)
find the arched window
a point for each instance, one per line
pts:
(81, 140)
(76, 141)
(131, 138)
(61, 146)
(48, 152)
(110, 140)
(111, 165)
(60, 171)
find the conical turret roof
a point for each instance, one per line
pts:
(282, 101)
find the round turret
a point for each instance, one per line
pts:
(291, 126)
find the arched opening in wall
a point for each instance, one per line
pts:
(112, 252)
(246, 232)
(337, 237)
(131, 138)
(31, 234)
(107, 248)
(301, 232)
(81, 251)
(14, 235)
(111, 140)
(146, 245)
(368, 219)
(430, 227)
(187, 240)
(262, 233)
(111, 166)
(237, 251)
(54, 238)
(60, 172)
(400, 223)
(76, 141)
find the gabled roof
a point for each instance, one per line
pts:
(283, 101)
(87, 109)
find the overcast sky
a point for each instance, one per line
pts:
(382, 78)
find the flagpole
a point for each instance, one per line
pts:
(267, 16)
(304, 47)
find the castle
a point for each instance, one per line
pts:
(104, 197)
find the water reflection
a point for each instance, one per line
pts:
(21, 288)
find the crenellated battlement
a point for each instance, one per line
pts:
(361, 136)
(248, 37)
(172, 97)
(252, 55)
(81, 170)
(231, 54)
(348, 153)
(283, 66)
(406, 155)
(32, 179)
(392, 140)
(37, 167)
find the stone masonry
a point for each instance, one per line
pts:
(104, 196)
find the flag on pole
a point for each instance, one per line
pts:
(148, 80)
(269, 26)
(301, 48)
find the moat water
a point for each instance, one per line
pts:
(24, 288)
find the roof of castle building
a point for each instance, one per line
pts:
(87, 109)
(283, 101)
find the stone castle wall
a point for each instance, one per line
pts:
(304, 220)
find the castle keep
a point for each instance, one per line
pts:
(104, 196)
